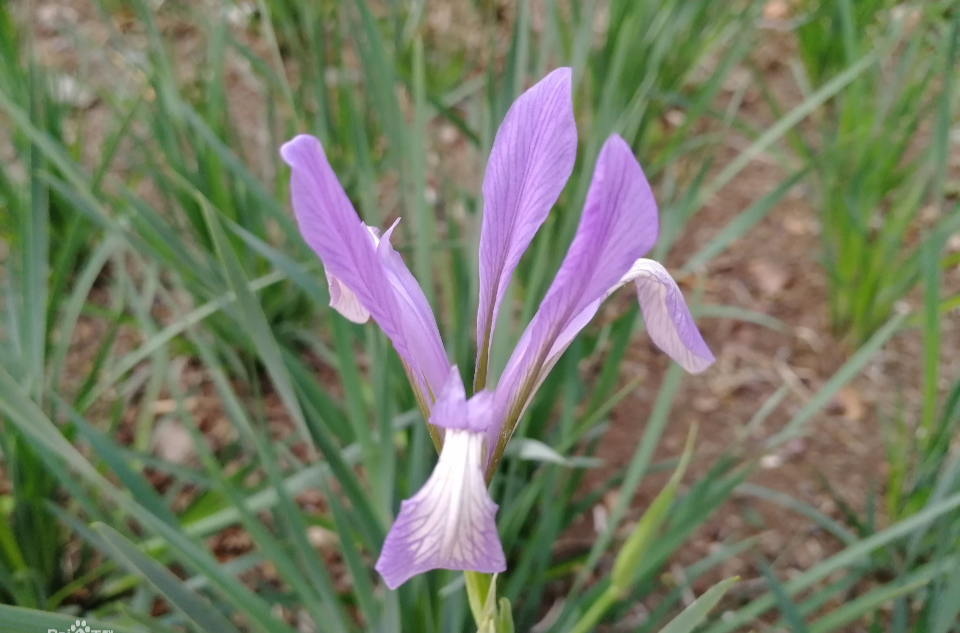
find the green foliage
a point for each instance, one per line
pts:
(922, 473)
(48, 244)
(879, 149)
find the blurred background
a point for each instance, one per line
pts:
(191, 440)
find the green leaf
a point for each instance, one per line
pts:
(857, 608)
(742, 223)
(505, 617)
(697, 612)
(536, 451)
(629, 558)
(843, 375)
(850, 556)
(200, 612)
(944, 616)
(17, 620)
(254, 321)
(789, 610)
(33, 423)
(635, 470)
(781, 127)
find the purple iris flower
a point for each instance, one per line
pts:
(450, 523)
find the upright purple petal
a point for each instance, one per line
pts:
(531, 159)
(618, 225)
(367, 276)
(342, 299)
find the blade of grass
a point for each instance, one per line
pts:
(781, 127)
(848, 557)
(17, 620)
(254, 321)
(197, 609)
(697, 612)
(635, 471)
(33, 423)
(742, 223)
(789, 610)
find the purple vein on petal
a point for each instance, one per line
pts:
(450, 522)
(373, 274)
(530, 161)
(618, 225)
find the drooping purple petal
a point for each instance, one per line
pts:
(363, 271)
(618, 225)
(666, 316)
(530, 161)
(450, 523)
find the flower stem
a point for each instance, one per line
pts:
(597, 610)
(478, 588)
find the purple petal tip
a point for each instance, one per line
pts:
(292, 152)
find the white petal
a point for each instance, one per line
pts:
(344, 301)
(375, 232)
(450, 523)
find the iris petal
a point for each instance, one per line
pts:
(665, 313)
(367, 276)
(450, 523)
(344, 301)
(416, 316)
(530, 161)
(666, 316)
(618, 225)
(453, 411)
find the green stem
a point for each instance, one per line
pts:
(597, 610)
(478, 587)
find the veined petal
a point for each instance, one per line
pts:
(418, 320)
(666, 316)
(665, 313)
(530, 161)
(344, 300)
(367, 277)
(618, 225)
(450, 523)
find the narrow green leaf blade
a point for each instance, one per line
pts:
(200, 612)
(697, 612)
